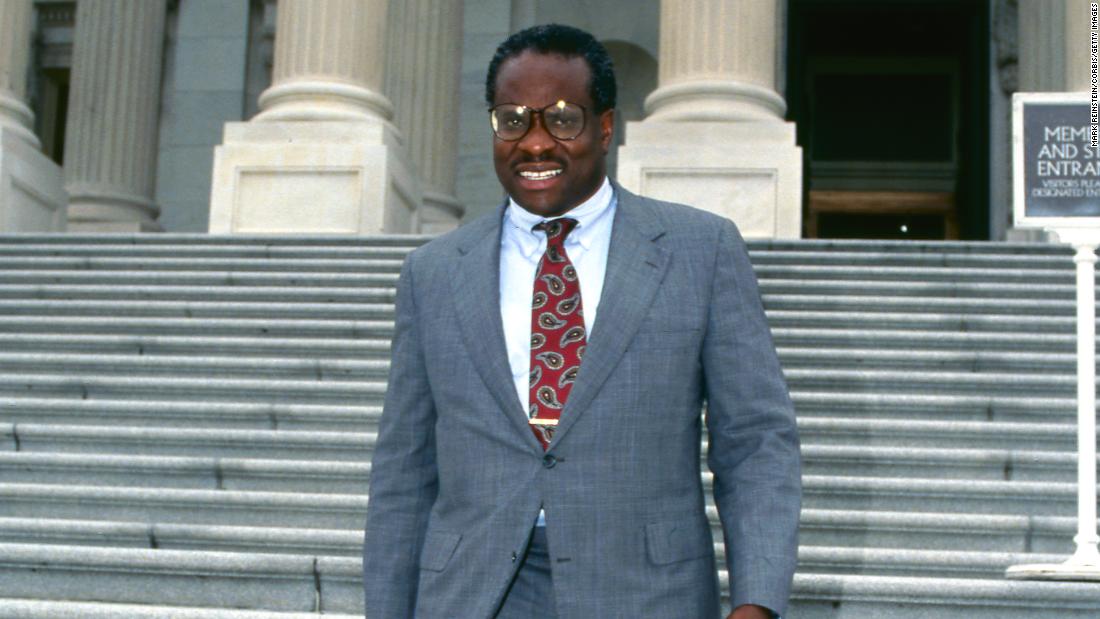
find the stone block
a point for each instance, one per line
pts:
(749, 172)
(32, 192)
(312, 177)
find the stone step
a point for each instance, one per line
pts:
(903, 339)
(916, 305)
(287, 445)
(197, 309)
(184, 506)
(993, 259)
(49, 609)
(941, 382)
(921, 289)
(169, 250)
(935, 407)
(351, 329)
(955, 248)
(958, 360)
(196, 278)
(210, 473)
(923, 322)
(268, 540)
(914, 562)
(109, 387)
(939, 495)
(940, 463)
(201, 389)
(121, 343)
(921, 433)
(875, 272)
(342, 417)
(197, 264)
(857, 528)
(76, 365)
(122, 290)
(182, 578)
(843, 596)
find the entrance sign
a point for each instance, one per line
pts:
(1056, 166)
(1056, 186)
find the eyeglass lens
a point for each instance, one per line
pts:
(562, 120)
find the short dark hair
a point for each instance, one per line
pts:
(566, 41)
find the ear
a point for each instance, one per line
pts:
(607, 128)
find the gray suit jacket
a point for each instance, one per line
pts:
(457, 477)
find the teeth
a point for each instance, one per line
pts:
(540, 176)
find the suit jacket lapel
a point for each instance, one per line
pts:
(475, 282)
(636, 264)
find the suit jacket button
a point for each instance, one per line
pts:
(549, 461)
(513, 557)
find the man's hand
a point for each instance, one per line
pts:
(750, 611)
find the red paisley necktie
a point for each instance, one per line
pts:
(557, 332)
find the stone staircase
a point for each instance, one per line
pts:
(186, 424)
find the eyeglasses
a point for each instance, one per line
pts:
(562, 120)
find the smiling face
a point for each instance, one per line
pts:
(544, 175)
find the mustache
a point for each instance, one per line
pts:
(523, 159)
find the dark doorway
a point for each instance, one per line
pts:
(891, 103)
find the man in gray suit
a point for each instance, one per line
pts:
(539, 448)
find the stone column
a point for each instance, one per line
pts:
(1054, 45)
(322, 155)
(717, 62)
(328, 62)
(1053, 52)
(17, 25)
(422, 80)
(114, 106)
(32, 196)
(715, 136)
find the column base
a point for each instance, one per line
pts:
(312, 177)
(103, 209)
(750, 172)
(102, 226)
(1070, 570)
(32, 190)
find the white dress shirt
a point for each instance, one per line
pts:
(521, 248)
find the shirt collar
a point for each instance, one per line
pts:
(586, 213)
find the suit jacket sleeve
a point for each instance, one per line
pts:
(404, 480)
(753, 448)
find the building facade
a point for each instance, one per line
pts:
(795, 118)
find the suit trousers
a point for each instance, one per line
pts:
(531, 593)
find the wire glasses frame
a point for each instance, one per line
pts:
(563, 120)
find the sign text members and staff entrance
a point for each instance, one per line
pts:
(1061, 167)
